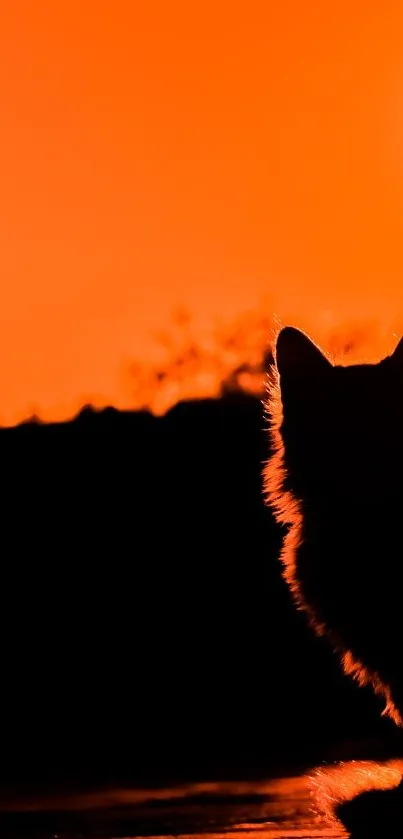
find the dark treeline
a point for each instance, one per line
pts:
(146, 633)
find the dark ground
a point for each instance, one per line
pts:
(146, 633)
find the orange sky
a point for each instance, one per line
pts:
(155, 154)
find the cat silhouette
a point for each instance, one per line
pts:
(335, 480)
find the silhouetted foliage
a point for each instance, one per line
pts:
(147, 633)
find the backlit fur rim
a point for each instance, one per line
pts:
(287, 511)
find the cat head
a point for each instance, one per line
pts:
(342, 427)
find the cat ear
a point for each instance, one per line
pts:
(297, 356)
(397, 354)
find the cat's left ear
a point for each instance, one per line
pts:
(298, 358)
(397, 355)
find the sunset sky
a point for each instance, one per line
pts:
(164, 154)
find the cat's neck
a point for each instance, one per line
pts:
(373, 512)
(345, 504)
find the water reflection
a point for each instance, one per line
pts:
(284, 808)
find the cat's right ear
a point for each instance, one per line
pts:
(397, 355)
(298, 358)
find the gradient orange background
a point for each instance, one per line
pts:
(156, 154)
